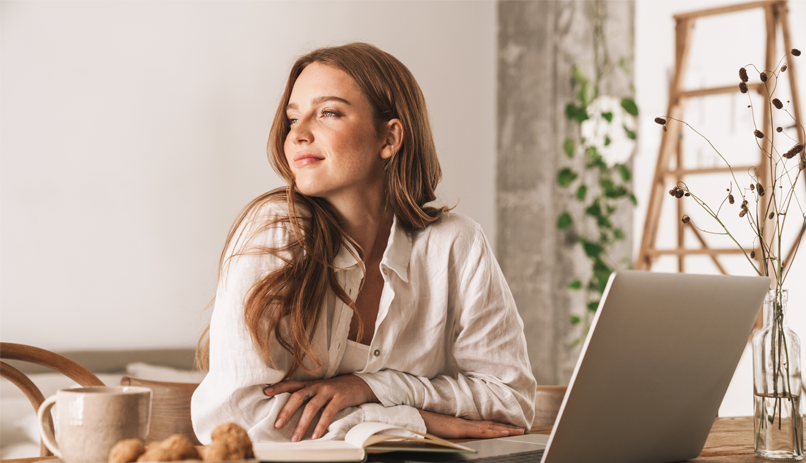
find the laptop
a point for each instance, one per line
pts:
(653, 370)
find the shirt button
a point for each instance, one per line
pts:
(377, 353)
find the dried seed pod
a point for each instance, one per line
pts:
(771, 216)
(752, 254)
(777, 103)
(664, 128)
(743, 74)
(779, 129)
(763, 76)
(760, 189)
(795, 52)
(793, 151)
(783, 68)
(680, 193)
(758, 134)
(752, 187)
(742, 213)
(743, 87)
(686, 218)
(730, 199)
(660, 120)
(687, 194)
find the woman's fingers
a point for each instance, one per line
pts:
(311, 406)
(494, 429)
(452, 427)
(297, 399)
(325, 419)
(334, 394)
(283, 386)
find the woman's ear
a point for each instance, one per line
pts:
(394, 138)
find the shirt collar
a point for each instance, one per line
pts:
(398, 251)
(396, 256)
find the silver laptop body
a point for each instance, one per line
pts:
(654, 368)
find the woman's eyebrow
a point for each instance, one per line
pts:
(319, 100)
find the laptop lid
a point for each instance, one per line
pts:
(654, 367)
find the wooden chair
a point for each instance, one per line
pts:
(170, 408)
(45, 358)
(547, 404)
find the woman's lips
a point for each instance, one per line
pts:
(301, 160)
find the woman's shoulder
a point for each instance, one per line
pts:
(451, 227)
(263, 221)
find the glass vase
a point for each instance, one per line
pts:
(777, 421)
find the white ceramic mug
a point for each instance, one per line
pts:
(91, 420)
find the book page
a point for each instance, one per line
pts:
(309, 450)
(367, 434)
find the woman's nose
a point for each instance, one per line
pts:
(301, 132)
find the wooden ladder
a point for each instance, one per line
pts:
(671, 143)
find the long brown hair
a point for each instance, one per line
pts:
(287, 302)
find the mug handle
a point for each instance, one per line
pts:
(44, 430)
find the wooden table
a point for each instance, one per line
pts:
(730, 441)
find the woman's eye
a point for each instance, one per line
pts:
(289, 121)
(330, 114)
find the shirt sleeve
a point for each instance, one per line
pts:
(494, 380)
(232, 391)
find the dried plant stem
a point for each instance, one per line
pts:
(727, 232)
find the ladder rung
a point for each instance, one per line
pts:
(684, 252)
(707, 170)
(724, 9)
(718, 90)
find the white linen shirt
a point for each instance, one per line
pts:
(448, 337)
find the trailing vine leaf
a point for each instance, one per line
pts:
(624, 172)
(569, 145)
(629, 105)
(592, 250)
(566, 176)
(577, 113)
(564, 221)
(576, 284)
(593, 306)
(575, 320)
(582, 191)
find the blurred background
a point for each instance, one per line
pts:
(133, 132)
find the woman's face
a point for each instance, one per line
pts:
(332, 147)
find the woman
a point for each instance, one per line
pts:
(344, 297)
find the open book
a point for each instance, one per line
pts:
(360, 439)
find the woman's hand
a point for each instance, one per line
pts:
(330, 395)
(451, 427)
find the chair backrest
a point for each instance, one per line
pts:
(170, 408)
(60, 363)
(547, 404)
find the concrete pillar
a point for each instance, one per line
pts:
(539, 43)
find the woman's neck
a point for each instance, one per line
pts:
(366, 220)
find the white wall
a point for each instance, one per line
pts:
(133, 133)
(721, 46)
